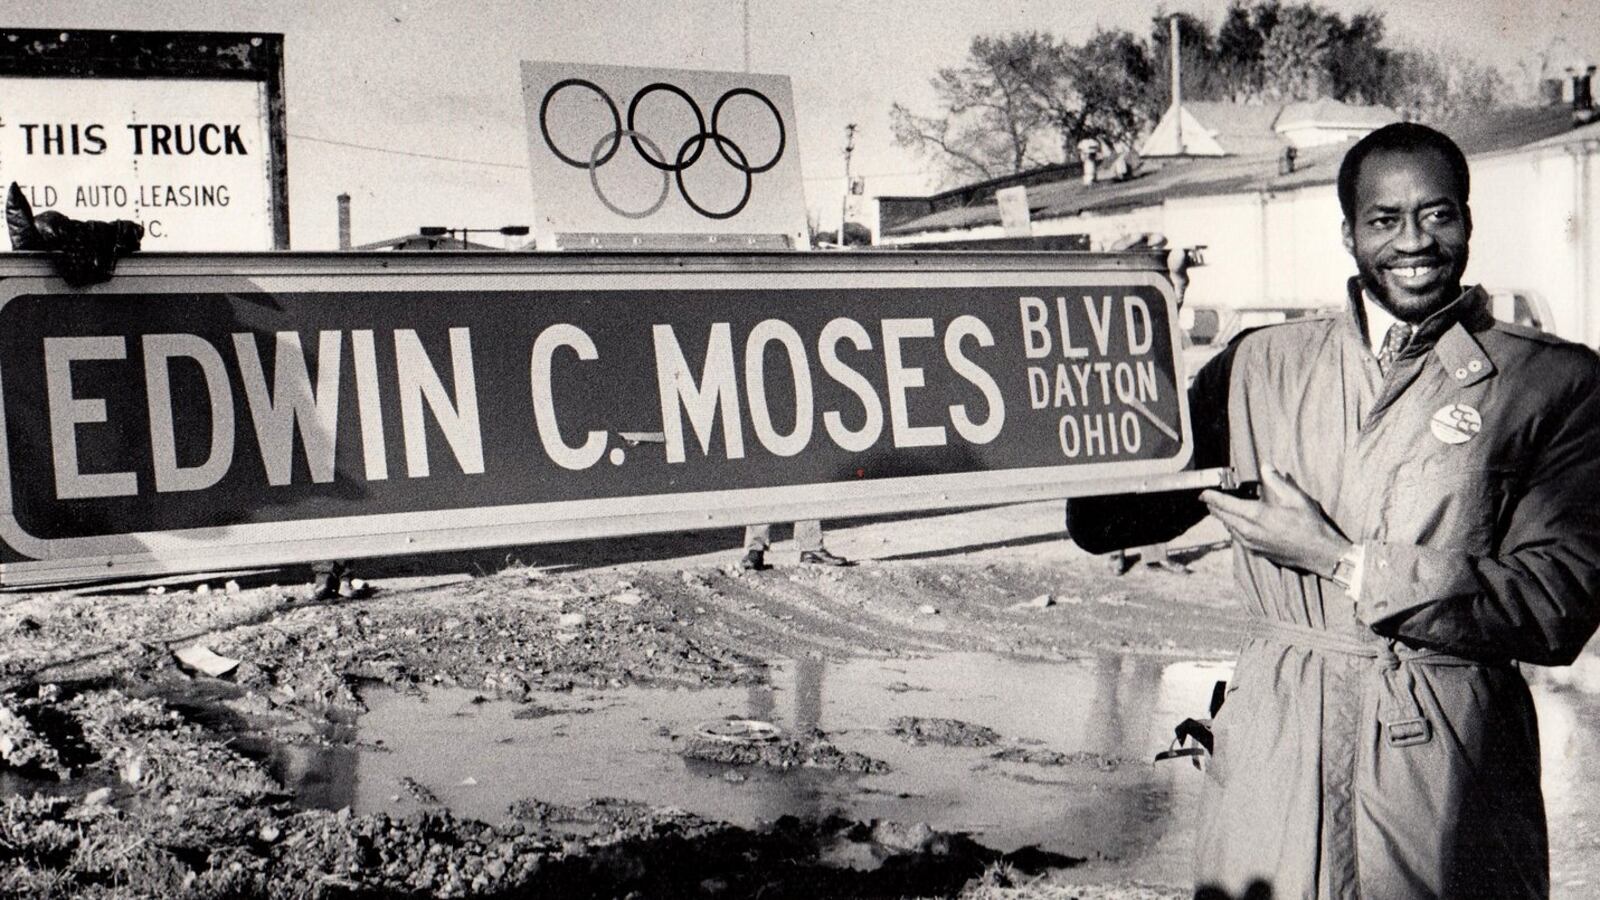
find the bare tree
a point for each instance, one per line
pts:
(991, 124)
(1026, 100)
(1437, 85)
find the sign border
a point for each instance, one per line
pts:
(268, 543)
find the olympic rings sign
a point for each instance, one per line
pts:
(672, 166)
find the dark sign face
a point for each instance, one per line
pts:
(173, 413)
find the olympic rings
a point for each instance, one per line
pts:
(689, 152)
(544, 121)
(716, 113)
(699, 119)
(666, 183)
(742, 165)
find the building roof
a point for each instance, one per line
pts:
(1331, 113)
(1508, 129)
(1587, 132)
(1158, 180)
(1180, 177)
(1232, 129)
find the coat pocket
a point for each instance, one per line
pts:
(1222, 730)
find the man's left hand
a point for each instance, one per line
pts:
(1285, 526)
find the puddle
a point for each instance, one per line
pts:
(1102, 718)
(479, 757)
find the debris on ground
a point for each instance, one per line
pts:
(811, 750)
(1043, 601)
(949, 732)
(1039, 756)
(736, 730)
(202, 659)
(22, 748)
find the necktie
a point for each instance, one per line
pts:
(1393, 343)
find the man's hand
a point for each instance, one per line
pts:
(1285, 526)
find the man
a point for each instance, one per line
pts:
(1430, 514)
(807, 539)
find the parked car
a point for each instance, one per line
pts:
(1521, 307)
(1208, 329)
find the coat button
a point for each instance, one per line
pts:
(1475, 366)
(1460, 374)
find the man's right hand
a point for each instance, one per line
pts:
(1286, 526)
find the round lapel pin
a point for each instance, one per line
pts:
(1456, 423)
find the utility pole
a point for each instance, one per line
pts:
(849, 147)
(747, 35)
(1177, 81)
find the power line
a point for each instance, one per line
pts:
(411, 153)
(866, 175)
(523, 168)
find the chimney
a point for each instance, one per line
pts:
(1583, 111)
(1582, 97)
(1286, 161)
(1089, 153)
(344, 221)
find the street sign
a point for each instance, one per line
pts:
(205, 412)
(181, 132)
(618, 152)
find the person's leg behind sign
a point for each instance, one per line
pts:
(807, 539)
(757, 538)
(332, 578)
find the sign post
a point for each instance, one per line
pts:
(204, 412)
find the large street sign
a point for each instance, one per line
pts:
(179, 131)
(203, 412)
(633, 157)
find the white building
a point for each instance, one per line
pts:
(1272, 236)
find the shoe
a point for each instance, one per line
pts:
(822, 558)
(325, 587)
(355, 589)
(754, 561)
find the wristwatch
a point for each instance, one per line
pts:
(1344, 571)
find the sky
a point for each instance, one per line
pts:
(415, 108)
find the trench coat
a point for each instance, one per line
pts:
(1385, 745)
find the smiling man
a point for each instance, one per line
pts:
(1429, 518)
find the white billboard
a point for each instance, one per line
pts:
(188, 159)
(619, 150)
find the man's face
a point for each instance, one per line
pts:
(1409, 235)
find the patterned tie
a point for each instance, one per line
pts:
(1393, 343)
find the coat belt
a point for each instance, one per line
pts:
(1399, 709)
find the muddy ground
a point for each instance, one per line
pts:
(129, 773)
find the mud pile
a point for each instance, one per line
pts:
(810, 750)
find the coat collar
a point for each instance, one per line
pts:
(1449, 333)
